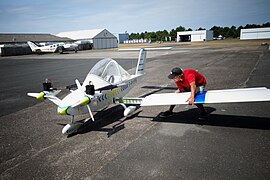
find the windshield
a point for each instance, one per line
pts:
(110, 70)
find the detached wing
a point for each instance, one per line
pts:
(214, 96)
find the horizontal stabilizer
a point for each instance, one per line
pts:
(128, 100)
(214, 96)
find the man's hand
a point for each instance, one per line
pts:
(190, 100)
(177, 91)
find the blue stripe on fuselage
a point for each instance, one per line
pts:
(200, 98)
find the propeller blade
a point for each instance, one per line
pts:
(90, 112)
(78, 84)
(39, 96)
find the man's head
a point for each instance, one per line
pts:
(176, 74)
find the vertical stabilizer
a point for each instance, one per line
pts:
(32, 45)
(141, 62)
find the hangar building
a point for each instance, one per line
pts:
(255, 33)
(100, 38)
(192, 36)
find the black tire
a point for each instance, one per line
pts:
(38, 51)
(61, 49)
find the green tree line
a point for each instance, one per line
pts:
(227, 32)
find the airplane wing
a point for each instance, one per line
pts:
(213, 96)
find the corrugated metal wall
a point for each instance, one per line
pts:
(15, 50)
(255, 33)
(104, 43)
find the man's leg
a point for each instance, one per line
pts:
(204, 114)
(201, 107)
(168, 113)
(171, 108)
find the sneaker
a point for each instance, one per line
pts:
(203, 115)
(166, 114)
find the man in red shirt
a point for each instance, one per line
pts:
(187, 80)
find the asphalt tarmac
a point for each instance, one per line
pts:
(233, 143)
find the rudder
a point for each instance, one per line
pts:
(141, 62)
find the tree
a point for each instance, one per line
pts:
(180, 28)
(232, 32)
(134, 36)
(200, 29)
(239, 30)
(216, 31)
(266, 24)
(173, 34)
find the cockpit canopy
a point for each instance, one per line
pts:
(110, 70)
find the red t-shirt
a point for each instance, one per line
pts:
(190, 76)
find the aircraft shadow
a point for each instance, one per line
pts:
(104, 118)
(191, 117)
(114, 115)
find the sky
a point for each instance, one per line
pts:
(118, 16)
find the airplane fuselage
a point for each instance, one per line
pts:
(102, 99)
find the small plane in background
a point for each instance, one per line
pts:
(52, 48)
(69, 46)
(108, 83)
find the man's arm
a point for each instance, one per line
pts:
(193, 92)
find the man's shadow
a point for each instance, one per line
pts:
(191, 117)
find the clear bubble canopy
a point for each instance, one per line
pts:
(109, 70)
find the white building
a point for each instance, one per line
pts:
(191, 36)
(255, 33)
(100, 38)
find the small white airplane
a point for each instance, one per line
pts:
(44, 49)
(52, 48)
(105, 84)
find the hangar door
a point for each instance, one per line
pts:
(103, 43)
(185, 38)
(256, 35)
(198, 37)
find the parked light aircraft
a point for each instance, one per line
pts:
(52, 48)
(108, 83)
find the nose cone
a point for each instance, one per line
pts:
(62, 111)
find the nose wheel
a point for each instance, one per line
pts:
(72, 127)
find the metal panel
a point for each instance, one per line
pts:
(255, 33)
(103, 43)
(198, 37)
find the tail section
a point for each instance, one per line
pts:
(141, 62)
(32, 45)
